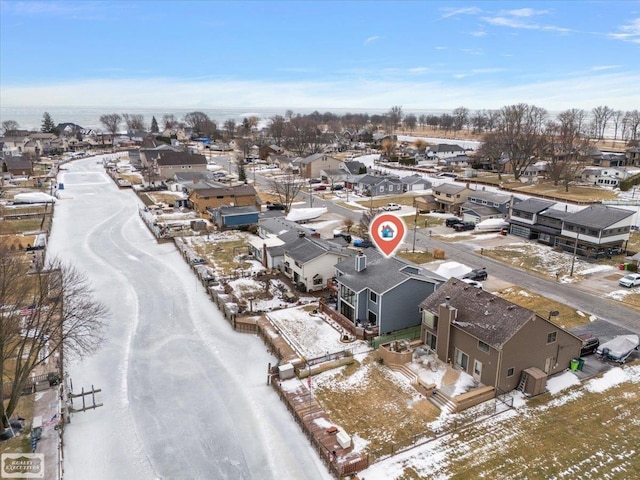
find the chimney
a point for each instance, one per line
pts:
(446, 316)
(361, 261)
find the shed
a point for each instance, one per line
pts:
(286, 371)
(234, 217)
(533, 381)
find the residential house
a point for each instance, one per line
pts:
(444, 150)
(607, 159)
(591, 232)
(168, 163)
(309, 262)
(609, 177)
(382, 294)
(312, 166)
(354, 167)
(633, 156)
(451, 196)
(375, 185)
(483, 205)
(285, 163)
(532, 173)
(334, 175)
(415, 182)
(456, 162)
(273, 234)
(377, 139)
(491, 338)
(14, 145)
(266, 150)
(16, 166)
(425, 203)
(223, 196)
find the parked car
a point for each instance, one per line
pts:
(590, 344)
(464, 226)
(337, 187)
(362, 243)
(390, 207)
(315, 180)
(479, 274)
(275, 206)
(319, 187)
(198, 261)
(451, 221)
(631, 280)
(473, 283)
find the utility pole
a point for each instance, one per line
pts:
(575, 252)
(415, 227)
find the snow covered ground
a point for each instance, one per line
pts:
(184, 395)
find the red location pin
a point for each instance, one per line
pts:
(387, 232)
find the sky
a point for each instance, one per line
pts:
(320, 54)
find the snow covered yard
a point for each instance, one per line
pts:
(577, 431)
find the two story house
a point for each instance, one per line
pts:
(415, 182)
(451, 196)
(223, 196)
(491, 338)
(309, 262)
(312, 166)
(483, 205)
(382, 294)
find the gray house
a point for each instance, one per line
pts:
(482, 205)
(415, 182)
(382, 294)
(374, 185)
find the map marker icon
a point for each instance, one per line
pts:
(387, 232)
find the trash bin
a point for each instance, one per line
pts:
(622, 266)
(574, 364)
(580, 363)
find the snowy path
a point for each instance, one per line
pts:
(184, 395)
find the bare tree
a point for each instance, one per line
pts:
(201, 123)
(630, 125)
(9, 125)
(394, 118)
(277, 128)
(134, 121)
(287, 188)
(111, 122)
(617, 118)
(47, 313)
(169, 121)
(410, 122)
(303, 135)
(601, 116)
(479, 121)
(460, 118)
(230, 128)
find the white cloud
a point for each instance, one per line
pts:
(452, 12)
(524, 12)
(510, 22)
(479, 33)
(629, 32)
(418, 70)
(618, 90)
(599, 68)
(439, 47)
(371, 40)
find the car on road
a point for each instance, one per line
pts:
(631, 280)
(451, 221)
(275, 206)
(390, 207)
(464, 226)
(362, 243)
(478, 274)
(590, 344)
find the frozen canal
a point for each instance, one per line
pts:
(184, 396)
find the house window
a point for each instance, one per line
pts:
(372, 317)
(346, 310)
(382, 189)
(551, 337)
(373, 296)
(431, 341)
(347, 295)
(483, 346)
(510, 372)
(461, 360)
(317, 281)
(429, 320)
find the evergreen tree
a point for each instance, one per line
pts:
(242, 174)
(48, 125)
(154, 125)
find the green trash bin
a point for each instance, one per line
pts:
(574, 364)
(580, 363)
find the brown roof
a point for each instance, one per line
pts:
(169, 157)
(238, 190)
(487, 317)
